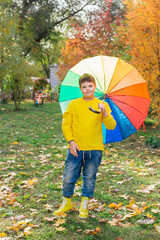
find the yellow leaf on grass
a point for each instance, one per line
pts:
(145, 207)
(23, 173)
(93, 232)
(59, 222)
(32, 181)
(20, 225)
(131, 204)
(115, 206)
(2, 234)
(48, 207)
(107, 152)
(27, 231)
(137, 211)
(149, 216)
(60, 229)
(29, 183)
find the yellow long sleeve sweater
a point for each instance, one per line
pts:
(85, 127)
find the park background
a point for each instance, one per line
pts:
(36, 35)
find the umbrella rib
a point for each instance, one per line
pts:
(103, 73)
(95, 77)
(119, 79)
(117, 120)
(115, 99)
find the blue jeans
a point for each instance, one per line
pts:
(90, 161)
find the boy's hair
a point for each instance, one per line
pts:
(86, 78)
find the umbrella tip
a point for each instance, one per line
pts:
(106, 96)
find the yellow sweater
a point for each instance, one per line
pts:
(85, 127)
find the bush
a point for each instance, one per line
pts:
(153, 142)
(150, 122)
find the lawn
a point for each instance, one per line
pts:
(126, 204)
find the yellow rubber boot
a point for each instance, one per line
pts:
(83, 212)
(65, 207)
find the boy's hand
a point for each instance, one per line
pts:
(73, 148)
(103, 110)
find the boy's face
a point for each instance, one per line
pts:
(88, 89)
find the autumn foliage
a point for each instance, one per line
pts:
(135, 38)
(94, 37)
(141, 33)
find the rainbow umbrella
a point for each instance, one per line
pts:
(120, 84)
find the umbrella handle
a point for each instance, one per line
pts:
(98, 112)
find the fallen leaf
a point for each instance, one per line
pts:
(59, 222)
(130, 204)
(124, 196)
(60, 229)
(137, 211)
(126, 217)
(103, 220)
(157, 227)
(19, 217)
(93, 232)
(115, 206)
(48, 207)
(20, 225)
(47, 219)
(107, 152)
(29, 183)
(2, 234)
(155, 210)
(114, 222)
(146, 221)
(147, 189)
(27, 231)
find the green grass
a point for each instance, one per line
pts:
(32, 156)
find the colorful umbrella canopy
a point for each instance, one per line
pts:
(125, 90)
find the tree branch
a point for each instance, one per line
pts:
(71, 14)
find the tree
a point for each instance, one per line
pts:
(15, 70)
(7, 37)
(48, 52)
(17, 80)
(40, 22)
(141, 31)
(95, 36)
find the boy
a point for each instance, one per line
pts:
(82, 129)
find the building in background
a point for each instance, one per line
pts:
(53, 76)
